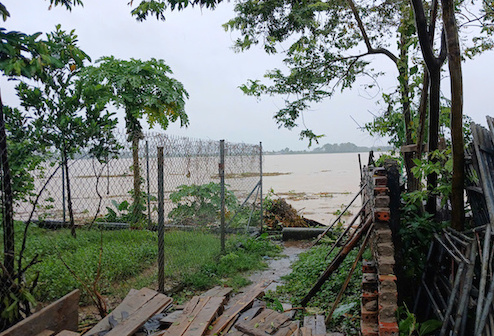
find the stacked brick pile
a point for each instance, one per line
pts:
(379, 293)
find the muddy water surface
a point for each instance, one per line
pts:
(316, 185)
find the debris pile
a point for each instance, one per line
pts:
(212, 313)
(280, 214)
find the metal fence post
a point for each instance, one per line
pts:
(161, 222)
(222, 193)
(63, 191)
(261, 216)
(147, 179)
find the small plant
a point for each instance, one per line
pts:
(416, 233)
(409, 326)
(340, 211)
(242, 254)
(123, 212)
(307, 269)
(199, 204)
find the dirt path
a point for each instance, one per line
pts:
(280, 266)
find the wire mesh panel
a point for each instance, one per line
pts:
(242, 177)
(113, 201)
(105, 190)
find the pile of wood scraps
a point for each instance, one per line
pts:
(212, 313)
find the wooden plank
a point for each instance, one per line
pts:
(128, 306)
(320, 327)
(310, 322)
(46, 332)
(250, 314)
(230, 326)
(171, 318)
(218, 291)
(61, 314)
(241, 304)
(287, 329)
(67, 333)
(192, 308)
(305, 331)
(267, 322)
(277, 320)
(205, 316)
(140, 316)
(236, 333)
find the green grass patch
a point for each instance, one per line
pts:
(305, 272)
(242, 254)
(129, 259)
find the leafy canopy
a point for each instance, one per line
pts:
(69, 113)
(157, 8)
(142, 88)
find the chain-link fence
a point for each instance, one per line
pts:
(105, 191)
(113, 201)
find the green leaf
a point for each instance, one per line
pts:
(343, 309)
(429, 326)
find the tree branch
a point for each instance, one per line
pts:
(370, 49)
(423, 34)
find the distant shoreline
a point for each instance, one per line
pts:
(332, 149)
(377, 150)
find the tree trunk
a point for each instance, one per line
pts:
(434, 65)
(7, 200)
(454, 62)
(424, 99)
(137, 206)
(435, 96)
(69, 195)
(412, 181)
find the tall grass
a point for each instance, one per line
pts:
(129, 259)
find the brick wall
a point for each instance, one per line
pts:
(379, 292)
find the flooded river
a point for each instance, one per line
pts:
(316, 185)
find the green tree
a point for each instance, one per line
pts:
(69, 113)
(142, 89)
(323, 44)
(21, 55)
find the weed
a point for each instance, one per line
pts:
(307, 270)
(199, 204)
(243, 254)
(409, 326)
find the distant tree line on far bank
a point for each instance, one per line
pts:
(346, 147)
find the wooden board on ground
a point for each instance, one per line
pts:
(241, 303)
(196, 317)
(60, 315)
(46, 332)
(305, 331)
(268, 322)
(316, 323)
(140, 316)
(171, 318)
(218, 291)
(67, 333)
(244, 317)
(133, 300)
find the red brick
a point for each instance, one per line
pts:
(388, 329)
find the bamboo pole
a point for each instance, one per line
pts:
(339, 217)
(347, 280)
(338, 259)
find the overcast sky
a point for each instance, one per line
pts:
(198, 50)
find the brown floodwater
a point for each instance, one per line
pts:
(316, 185)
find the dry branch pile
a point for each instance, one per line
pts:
(280, 214)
